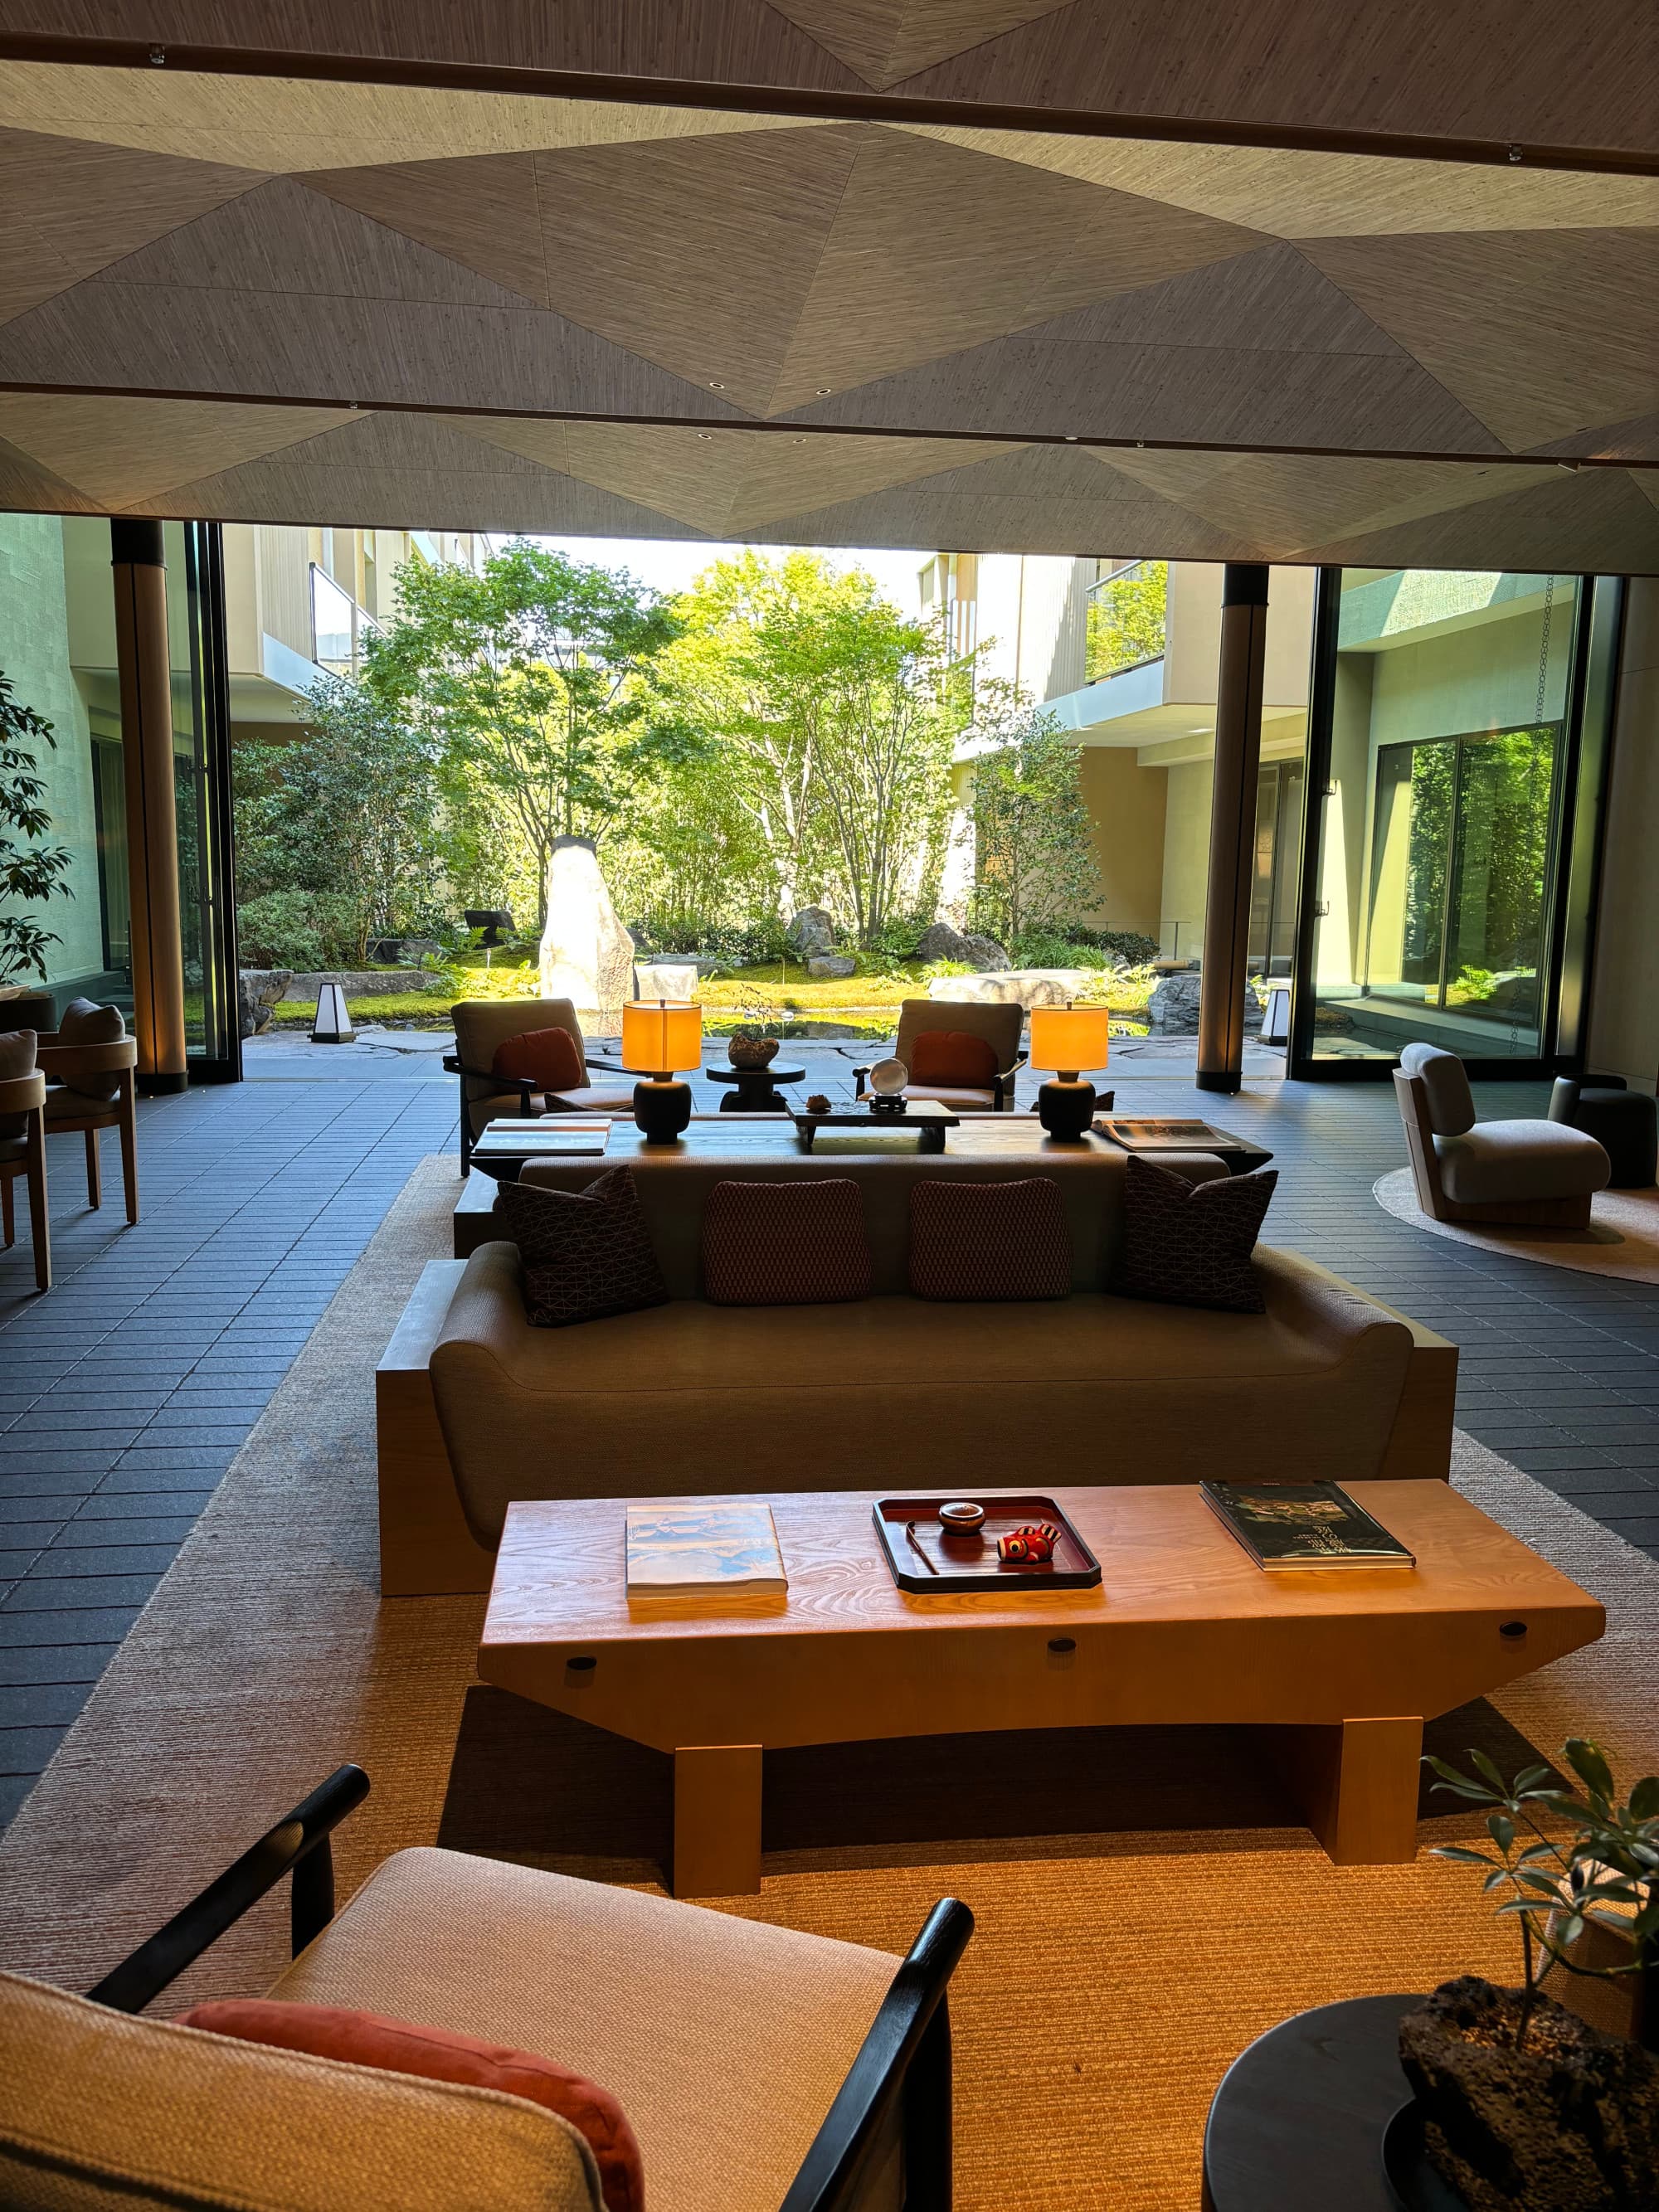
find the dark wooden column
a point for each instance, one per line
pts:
(1232, 825)
(146, 677)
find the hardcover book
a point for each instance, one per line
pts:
(571, 1138)
(1146, 1134)
(1304, 1524)
(704, 1550)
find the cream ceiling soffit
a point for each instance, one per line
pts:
(885, 40)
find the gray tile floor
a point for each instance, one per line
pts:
(124, 1394)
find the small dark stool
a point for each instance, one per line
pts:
(1625, 1123)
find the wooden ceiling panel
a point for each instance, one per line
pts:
(1273, 300)
(885, 40)
(1587, 519)
(136, 449)
(480, 211)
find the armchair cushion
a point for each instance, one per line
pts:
(989, 1240)
(16, 1057)
(441, 2054)
(106, 2111)
(547, 1057)
(954, 1059)
(1445, 1088)
(83, 1023)
(785, 1243)
(1496, 1161)
(587, 1254)
(1189, 1244)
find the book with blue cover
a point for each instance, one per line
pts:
(704, 1549)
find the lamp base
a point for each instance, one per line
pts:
(662, 1107)
(1065, 1106)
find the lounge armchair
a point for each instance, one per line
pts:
(1521, 1171)
(89, 1062)
(998, 1025)
(23, 1145)
(759, 2067)
(482, 1026)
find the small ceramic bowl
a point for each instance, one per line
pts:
(962, 1517)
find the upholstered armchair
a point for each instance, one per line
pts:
(994, 1025)
(1469, 1170)
(23, 1145)
(1623, 1121)
(757, 2068)
(482, 1026)
(89, 1062)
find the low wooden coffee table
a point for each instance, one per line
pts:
(1343, 1668)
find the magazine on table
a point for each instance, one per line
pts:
(704, 1549)
(1304, 1524)
(1155, 1135)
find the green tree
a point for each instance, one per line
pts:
(1034, 841)
(348, 813)
(30, 872)
(538, 676)
(1126, 620)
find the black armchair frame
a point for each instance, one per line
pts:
(525, 1086)
(904, 2063)
(1002, 1085)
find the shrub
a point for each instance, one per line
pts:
(296, 929)
(1052, 948)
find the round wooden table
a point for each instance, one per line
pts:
(755, 1092)
(1296, 2125)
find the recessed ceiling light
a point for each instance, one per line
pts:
(824, 389)
(704, 437)
(717, 387)
(1071, 437)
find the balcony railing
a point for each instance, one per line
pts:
(1127, 615)
(338, 626)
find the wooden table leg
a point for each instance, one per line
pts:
(1357, 1785)
(717, 1819)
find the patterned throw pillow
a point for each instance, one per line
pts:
(989, 1240)
(785, 1243)
(951, 1060)
(1189, 1244)
(547, 1057)
(587, 1254)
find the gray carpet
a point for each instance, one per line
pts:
(1119, 1963)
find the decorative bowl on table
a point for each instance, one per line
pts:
(748, 1048)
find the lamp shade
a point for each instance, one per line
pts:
(1070, 1037)
(658, 1037)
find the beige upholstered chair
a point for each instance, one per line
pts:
(1000, 1025)
(1469, 1170)
(484, 1024)
(759, 2068)
(90, 1061)
(23, 1145)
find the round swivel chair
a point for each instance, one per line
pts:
(1623, 1122)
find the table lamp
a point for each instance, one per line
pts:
(657, 1037)
(1067, 1038)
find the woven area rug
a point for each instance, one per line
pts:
(1622, 1239)
(1146, 1904)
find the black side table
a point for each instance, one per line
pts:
(1296, 2125)
(755, 1092)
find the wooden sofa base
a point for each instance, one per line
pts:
(428, 1550)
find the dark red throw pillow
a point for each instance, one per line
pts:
(951, 1060)
(587, 1254)
(989, 1240)
(439, 2054)
(1189, 1244)
(785, 1243)
(547, 1057)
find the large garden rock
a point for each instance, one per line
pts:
(939, 941)
(587, 957)
(364, 983)
(1015, 987)
(258, 990)
(1569, 2123)
(1172, 1010)
(832, 966)
(812, 932)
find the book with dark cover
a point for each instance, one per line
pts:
(1146, 1133)
(1304, 1524)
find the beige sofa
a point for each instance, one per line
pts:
(477, 1409)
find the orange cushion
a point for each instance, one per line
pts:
(547, 1057)
(953, 1060)
(438, 2054)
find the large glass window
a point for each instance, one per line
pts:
(1441, 825)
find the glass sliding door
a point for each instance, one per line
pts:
(201, 727)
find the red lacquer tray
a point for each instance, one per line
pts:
(922, 1558)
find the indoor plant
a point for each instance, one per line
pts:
(751, 1044)
(1523, 2104)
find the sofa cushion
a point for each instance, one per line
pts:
(785, 1243)
(954, 1059)
(1445, 1087)
(1190, 1245)
(547, 1057)
(587, 1254)
(16, 1057)
(989, 1240)
(443, 2054)
(1499, 1160)
(101, 2111)
(82, 1022)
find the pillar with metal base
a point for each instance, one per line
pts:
(144, 667)
(1232, 825)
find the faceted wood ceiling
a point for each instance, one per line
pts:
(266, 298)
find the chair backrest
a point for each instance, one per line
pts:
(482, 1025)
(21, 1088)
(998, 1024)
(99, 2107)
(83, 1054)
(1446, 1093)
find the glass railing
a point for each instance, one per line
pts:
(1127, 619)
(339, 627)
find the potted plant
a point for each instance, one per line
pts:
(1524, 2106)
(752, 1043)
(30, 872)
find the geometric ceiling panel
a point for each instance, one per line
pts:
(153, 444)
(885, 40)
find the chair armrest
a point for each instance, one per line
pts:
(525, 1086)
(909, 2033)
(60, 1062)
(1563, 1097)
(23, 1094)
(298, 1844)
(860, 1076)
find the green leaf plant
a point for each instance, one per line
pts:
(1601, 1870)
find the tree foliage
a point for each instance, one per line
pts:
(535, 677)
(1033, 833)
(1126, 614)
(30, 872)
